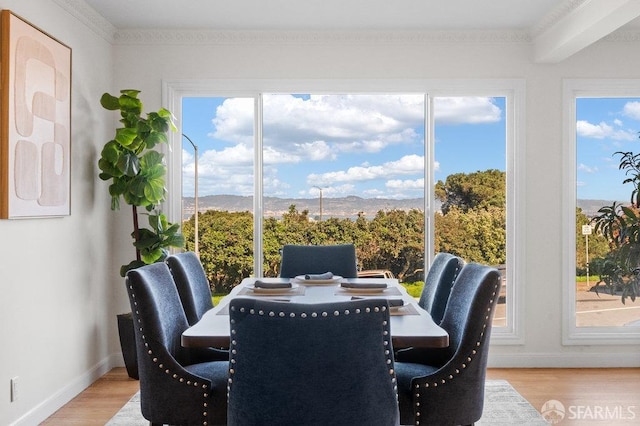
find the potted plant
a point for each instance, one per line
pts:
(137, 175)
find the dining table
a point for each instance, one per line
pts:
(411, 326)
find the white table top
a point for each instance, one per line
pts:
(410, 325)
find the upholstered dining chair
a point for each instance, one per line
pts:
(340, 259)
(446, 387)
(173, 389)
(311, 364)
(438, 282)
(192, 283)
(195, 295)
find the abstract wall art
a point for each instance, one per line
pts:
(35, 121)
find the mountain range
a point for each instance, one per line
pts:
(341, 207)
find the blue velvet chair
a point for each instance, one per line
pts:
(434, 297)
(192, 283)
(174, 387)
(195, 295)
(340, 259)
(311, 364)
(437, 285)
(446, 386)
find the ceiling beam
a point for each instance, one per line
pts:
(586, 24)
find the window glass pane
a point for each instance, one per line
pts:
(470, 182)
(607, 239)
(222, 129)
(346, 168)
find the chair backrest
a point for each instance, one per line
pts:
(168, 391)
(340, 259)
(437, 285)
(311, 364)
(193, 286)
(461, 368)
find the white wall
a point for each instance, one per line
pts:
(60, 289)
(59, 277)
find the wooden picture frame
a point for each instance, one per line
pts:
(35, 121)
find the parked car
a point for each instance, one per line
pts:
(375, 273)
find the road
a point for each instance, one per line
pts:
(592, 310)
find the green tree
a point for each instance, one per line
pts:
(394, 241)
(226, 247)
(482, 189)
(598, 244)
(477, 235)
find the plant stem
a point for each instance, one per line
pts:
(135, 229)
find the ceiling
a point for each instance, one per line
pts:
(558, 27)
(452, 15)
(324, 14)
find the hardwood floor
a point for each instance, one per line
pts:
(590, 388)
(99, 402)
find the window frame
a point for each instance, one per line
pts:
(571, 334)
(512, 89)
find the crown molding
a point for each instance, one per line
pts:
(88, 16)
(192, 37)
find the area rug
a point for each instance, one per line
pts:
(502, 406)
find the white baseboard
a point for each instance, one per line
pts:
(564, 360)
(52, 404)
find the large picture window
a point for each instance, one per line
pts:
(603, 121)
(402, 174)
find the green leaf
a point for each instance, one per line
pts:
(126, 136)
(129, 102)
(132, 265)
(129, 164)
(109, 102)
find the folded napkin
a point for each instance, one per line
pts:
(364, 285)
(263, 284)
(325, 276)
(395, 303)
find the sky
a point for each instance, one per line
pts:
(372, 146)
(605, 126)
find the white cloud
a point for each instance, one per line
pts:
(587, 169)
(343, 122)
(632, 109)
(407, 165)
(466, 110)
(398, 184)
(300, 130)
(602, 131)
(233, 120)
(227, 171)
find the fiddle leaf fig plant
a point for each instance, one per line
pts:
(137, 174)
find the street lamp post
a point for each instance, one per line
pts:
(320, 189)
(195, 190)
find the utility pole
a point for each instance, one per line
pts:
(320, 189)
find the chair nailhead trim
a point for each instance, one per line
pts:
(463, 365)
(233, 351)
(155, 360)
